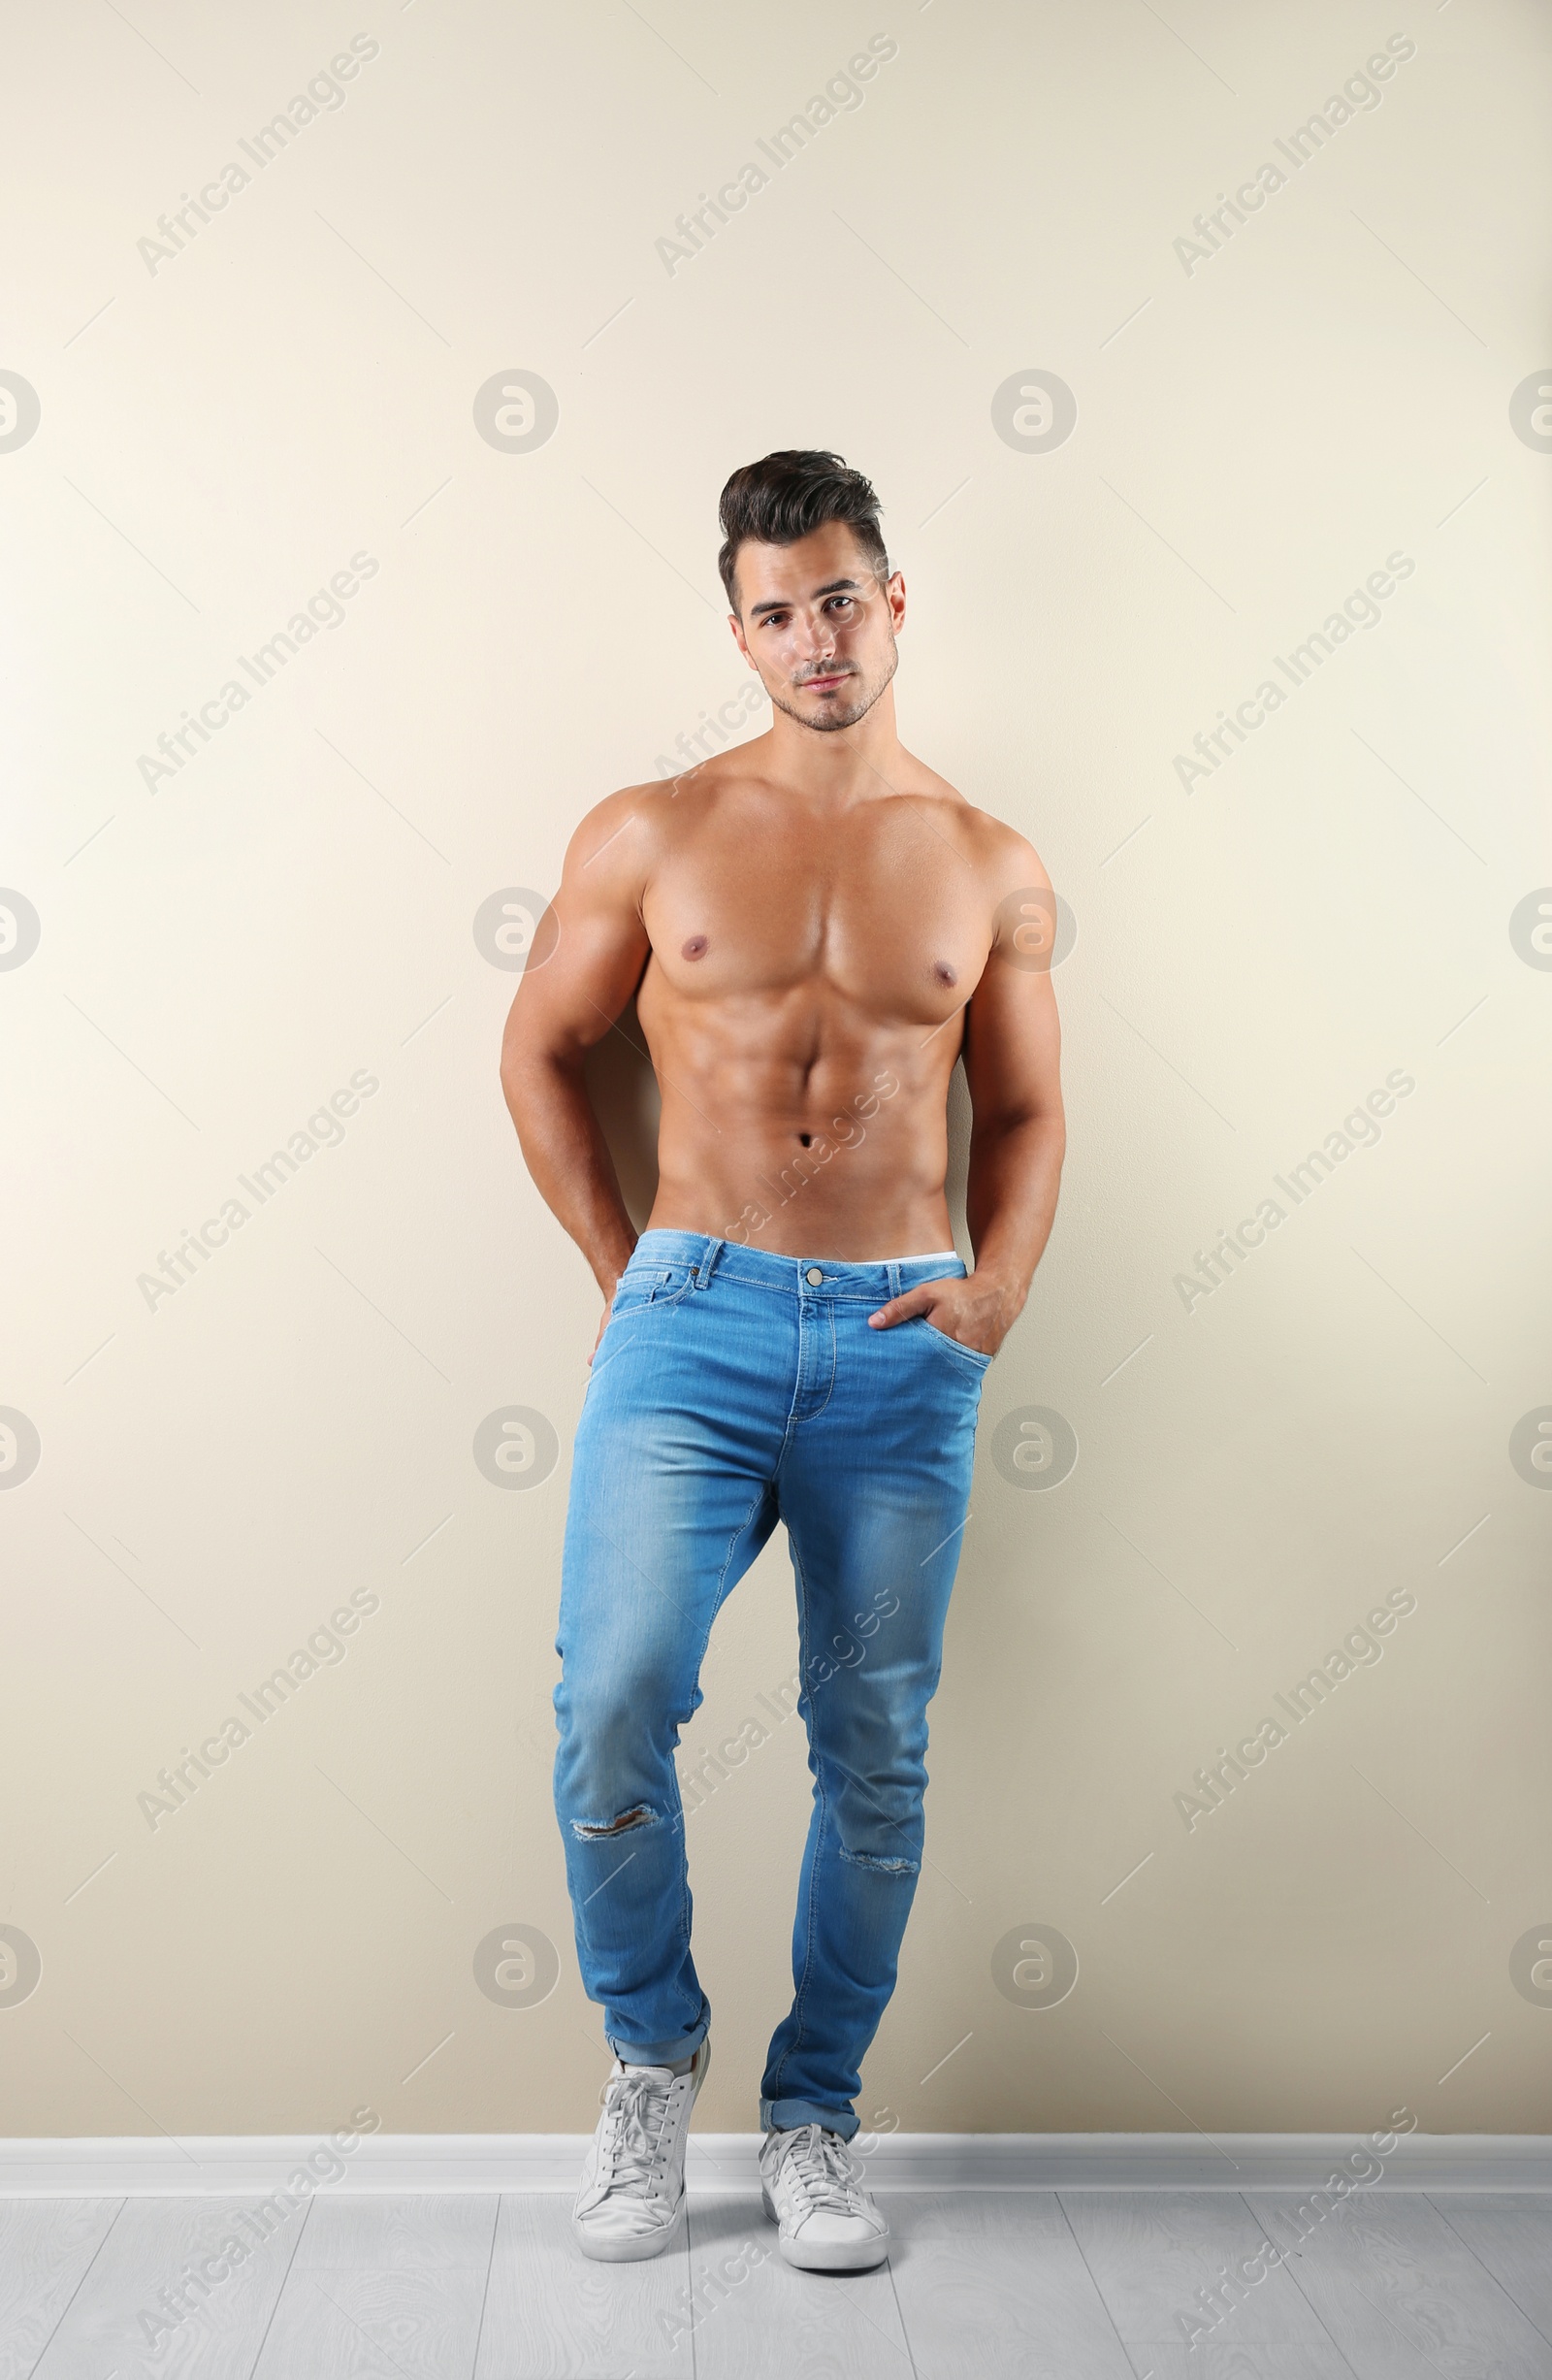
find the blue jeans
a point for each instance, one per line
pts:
(733, 1388)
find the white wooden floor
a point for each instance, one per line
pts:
(1030, 2284)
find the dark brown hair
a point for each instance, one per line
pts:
(788, 495)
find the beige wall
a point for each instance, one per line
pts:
(224, 948)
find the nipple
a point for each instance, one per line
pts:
(945, 973)
(695, 948)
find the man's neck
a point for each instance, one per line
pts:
(839, 764)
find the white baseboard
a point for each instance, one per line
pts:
(210, 2167)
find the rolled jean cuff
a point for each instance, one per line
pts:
(661, 2053)
(786, 2114)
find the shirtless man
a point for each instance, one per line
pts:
(815, 925)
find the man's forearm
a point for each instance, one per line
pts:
(566, 1152)
(1011, 1200)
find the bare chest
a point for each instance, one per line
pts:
(893, 921)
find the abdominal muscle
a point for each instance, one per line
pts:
(746, 1083)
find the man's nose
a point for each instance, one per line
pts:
(816, 635)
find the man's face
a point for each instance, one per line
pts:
(818, 625)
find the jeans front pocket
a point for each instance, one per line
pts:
(637, 1288)
(644, 1286)
(973, 1353)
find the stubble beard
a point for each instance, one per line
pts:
(843, 714)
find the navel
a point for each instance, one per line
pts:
(945, 973)
(695, 948)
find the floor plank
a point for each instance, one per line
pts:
(1513, 2237)
(375, 2323)
(824, 2326)
(552, 2315)
(981, 2285)
(1401, 2294)
(993, 2286)
(1263, 2360)
(424, 2232)
(145, 2252)
(46, 2246)
(1152, 2251)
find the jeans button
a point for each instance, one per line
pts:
(812, 1276)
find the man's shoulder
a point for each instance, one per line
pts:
(1011, 857)
(1002, 854)
(661, 801)
(622, 830)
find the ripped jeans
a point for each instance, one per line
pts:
(733, 1388)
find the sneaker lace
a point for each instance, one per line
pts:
(635, 2110)
(818, 2166)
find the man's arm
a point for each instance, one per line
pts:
(567, 1000)
(1011, 1054)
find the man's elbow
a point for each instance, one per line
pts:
(529, 1068)
(1036, 1119)
(1046, 1130)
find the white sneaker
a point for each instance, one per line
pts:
(631, 2203)
(813, 2189)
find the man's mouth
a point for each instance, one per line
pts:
(823, 685)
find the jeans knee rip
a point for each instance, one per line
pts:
(881, 1866)
(589, 1831)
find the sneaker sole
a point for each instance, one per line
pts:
(602, 2250)
(860, 2257)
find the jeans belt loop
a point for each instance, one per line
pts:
(708, 1263)
(894, 1280)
